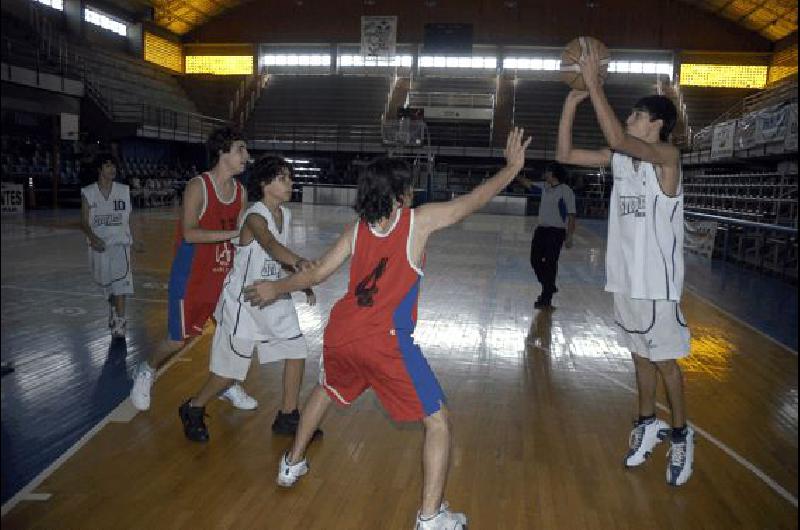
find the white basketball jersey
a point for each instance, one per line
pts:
(109, 217)
(251, 262)
(644, 254)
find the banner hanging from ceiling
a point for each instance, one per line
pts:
(378, 36)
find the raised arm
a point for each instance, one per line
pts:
(662, 154)
(434, 216)
(530, 184)
(263, 292)
(192, 208)
(565, 153)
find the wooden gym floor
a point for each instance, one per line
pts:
(541, 402)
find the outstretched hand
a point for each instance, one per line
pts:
(526, 182)
(515, 148)
(589, 63)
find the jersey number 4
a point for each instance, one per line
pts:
(368, 287)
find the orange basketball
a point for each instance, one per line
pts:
(570, 70)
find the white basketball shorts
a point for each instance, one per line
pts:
(231, 355)
(653, 329)
(111, 269)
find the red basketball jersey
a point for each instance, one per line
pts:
(205, 265)
(384, 286)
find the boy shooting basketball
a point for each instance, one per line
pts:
(644, 256)
(368, 341)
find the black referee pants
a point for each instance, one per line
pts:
(545, 249)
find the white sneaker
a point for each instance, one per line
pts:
(118, 325)
(644, 437)
(239, 398)
(444, 520)
(142, 383)
(288, 473)
(680, 459)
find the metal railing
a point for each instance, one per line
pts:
(165, 123)
(780, 93)
(315, 133)
(450, 99)
(767, 247)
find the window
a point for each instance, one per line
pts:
(727, 76)
(438, 61)
(97, 18)
(351, 60)
(309, 59)
(163, 52)
(55, 4)
(551, 64)
(219, 64)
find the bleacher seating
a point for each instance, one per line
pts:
(538, 104)
(462, 85)
(769, 198)
(706, 104)
(125, 80)
(122, 80)
(309, 107)
(212, 94)
(454, 92)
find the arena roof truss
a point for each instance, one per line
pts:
(773, 19)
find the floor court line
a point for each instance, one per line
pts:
(769, 481)
(27, 492)
(740, 321)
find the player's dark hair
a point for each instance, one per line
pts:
(660, 108)
(380, 184)
(265, 170)
(97, 163)
(557, 170)
(221, 140)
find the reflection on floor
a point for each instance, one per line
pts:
(514, 377)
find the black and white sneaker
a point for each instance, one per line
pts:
(286, 423)
(680, 458)
(193, 419)
(644, 437)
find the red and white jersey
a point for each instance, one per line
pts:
(384, 284)
(202, 267)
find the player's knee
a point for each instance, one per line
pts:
(668, 368)
(438, 421)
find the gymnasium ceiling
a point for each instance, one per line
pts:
(773, 19)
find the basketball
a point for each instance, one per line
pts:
(570, 70)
